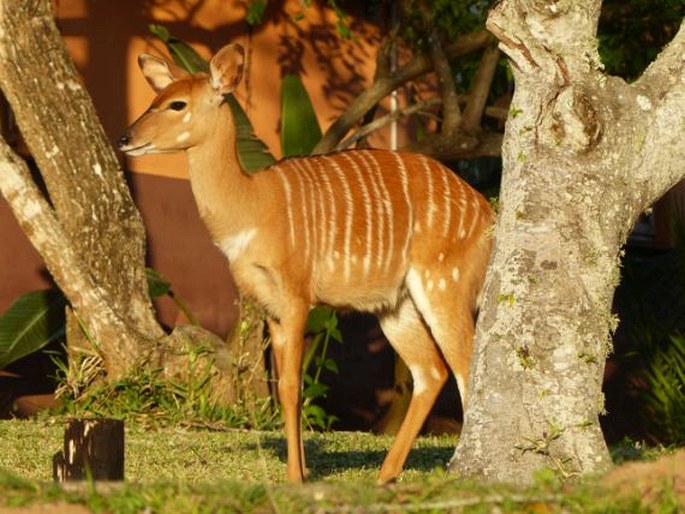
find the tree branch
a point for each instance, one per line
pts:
(415, 67)
(535, 35)
(668, 69)
(460, 146)
(661, 101)
(451, 113)
(480, 88)
(499, 113)
(381, 122)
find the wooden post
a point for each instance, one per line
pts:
(93, 450)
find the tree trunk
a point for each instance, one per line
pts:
(93, 450)
(92, 205)
(584, 154)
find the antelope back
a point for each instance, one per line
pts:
(361, 219)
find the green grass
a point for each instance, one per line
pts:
(171, 469)
(191, 455)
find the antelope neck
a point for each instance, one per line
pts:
(223, 190)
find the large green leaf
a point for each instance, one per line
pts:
(33, 321)
(253, 153)
(300, 129)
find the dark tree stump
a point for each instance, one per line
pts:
(93, 450)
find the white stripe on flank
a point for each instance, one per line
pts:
(368, 213)
(447, 210)
(302, 204)
(390, 210)
(328, 240)
(348, 213)
(430, 201)
(474, 217)
(410, 209)
(317, 212)
(309, 202)
(463, 214)
(319, 229)
(377, 208)
(318, 226)
(383, 207)
(288, 203)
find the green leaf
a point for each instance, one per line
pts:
(156, 283)
(318, 319)
(33, 321)
(183, 54)
(300, 129)
(664, 397)
(315, 390)
(343, 29)
(255, 12)
(253, 153)
(331, 365)
(315, 416)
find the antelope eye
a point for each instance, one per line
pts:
(177, 105)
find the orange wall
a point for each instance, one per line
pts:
(105, 38)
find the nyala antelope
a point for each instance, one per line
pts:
(393, 233)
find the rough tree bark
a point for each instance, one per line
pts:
(91, 205)
(584, 154)
(88, 231)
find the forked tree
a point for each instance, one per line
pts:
(584, 155)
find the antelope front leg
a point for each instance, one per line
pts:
(287, 339)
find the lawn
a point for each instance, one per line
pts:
(173, 469)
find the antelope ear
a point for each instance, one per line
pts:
(158, 72)
(226, 68)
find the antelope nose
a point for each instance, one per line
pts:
(124, 140)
